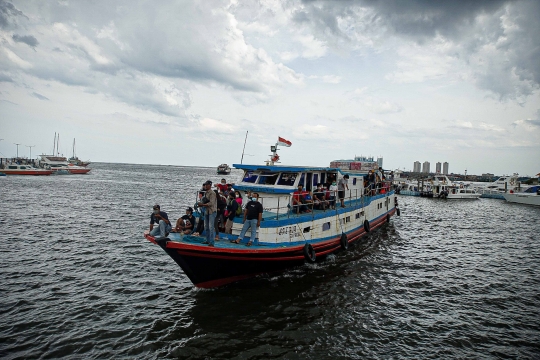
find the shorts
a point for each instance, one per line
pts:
(341, 194)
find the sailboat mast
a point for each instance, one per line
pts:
(54, 143)
(73, 147)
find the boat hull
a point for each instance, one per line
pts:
(26, 172)
(528, 199)
(209, 267)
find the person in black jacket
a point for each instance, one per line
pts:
(232, 207)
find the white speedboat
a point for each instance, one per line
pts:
(444, 188)
(499, 187)
(531, 196)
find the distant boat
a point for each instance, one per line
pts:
(15, 169)
(531, 196)
(223, 169)
(75, 160)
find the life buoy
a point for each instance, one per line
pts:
(275, 158)
(461, 186)
(344, 241)
(512, 182)
(366, 226)
(309, 253)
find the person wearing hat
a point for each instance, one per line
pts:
(185, 224)
(209, 202)
(164, 225)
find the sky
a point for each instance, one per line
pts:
(181, 82)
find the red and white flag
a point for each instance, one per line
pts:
(281, 141)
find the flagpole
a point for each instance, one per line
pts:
(242, 159)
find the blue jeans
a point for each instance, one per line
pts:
(247, 225)
(209, 227)
(162, 229)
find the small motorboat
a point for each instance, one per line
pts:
(223, 169)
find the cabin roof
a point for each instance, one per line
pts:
(285, 168)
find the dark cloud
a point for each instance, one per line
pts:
(8, 14)
(499, 40)
(27, 39)
(39, 96)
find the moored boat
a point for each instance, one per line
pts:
(531, 196)
(16, 169)
(223, 169)
(286, 237)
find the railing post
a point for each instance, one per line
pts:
(277, 217)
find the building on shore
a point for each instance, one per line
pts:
(438, 167)
(445, 168)
(425, 167)
(416, 167)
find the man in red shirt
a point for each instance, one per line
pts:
(298, 200)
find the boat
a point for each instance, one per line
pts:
(285, 238)
(60, 165)
(74, 160)
(499, 187)
(223, 169)
(25, 169)
(442, 187)
(531, 196)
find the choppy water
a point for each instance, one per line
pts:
(445, 280)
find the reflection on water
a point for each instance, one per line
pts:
(444, 280)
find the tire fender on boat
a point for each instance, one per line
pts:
(398, 212)
(344, 241)
(366, 226)
(309, 253)
(388, 217)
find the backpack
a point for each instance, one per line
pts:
(239, 210)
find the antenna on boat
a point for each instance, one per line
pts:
(242, 159)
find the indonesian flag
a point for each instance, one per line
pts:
(281, 141)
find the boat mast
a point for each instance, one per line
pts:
(54, 144)
(242, 159)
(73, 147)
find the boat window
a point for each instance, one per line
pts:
(268, 178)
(315, 179)
(354, 181)
(287, 179)
(249, 177)
(309, 181)
(326, 226)
(23, 167)
(12, 167)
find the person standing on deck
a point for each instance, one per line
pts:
(209, 202)
(252, 219)
(343, 185)
(164, 225)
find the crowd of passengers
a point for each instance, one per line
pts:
(324, 196)
(218, 208)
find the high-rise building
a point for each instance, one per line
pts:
(425, 167)
(445, 168)
(379, 161)
(438, 167)
(416, 167)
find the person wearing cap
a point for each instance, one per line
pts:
(209, 202)
(343, 185)
(186, 223)
(164, 225)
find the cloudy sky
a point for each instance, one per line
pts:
(180, 82)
